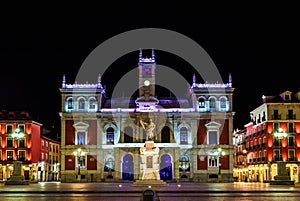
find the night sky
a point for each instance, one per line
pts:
(259, 48)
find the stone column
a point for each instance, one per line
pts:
(282, 173)
(118, 163)
(17, 168)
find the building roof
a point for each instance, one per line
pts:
(14, 115)
(286, 96)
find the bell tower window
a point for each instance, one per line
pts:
(70, 104)
(81, 104)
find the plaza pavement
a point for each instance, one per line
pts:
(124, 188)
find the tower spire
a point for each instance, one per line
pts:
(153, 55)
(140, 55)
(229, 78)
(64, 81)
(194, 80)
(99, 85)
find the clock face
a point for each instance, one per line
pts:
(146, 82)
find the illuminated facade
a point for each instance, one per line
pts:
(49, 165)
(24, 148)
(272, 136)
(101, 142)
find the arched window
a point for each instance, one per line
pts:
(92, 104)
(183, 135)
(109, 165)
(128, 135)
(212, 103)
(184, 163)
(110, 135)
(70, 104)
(81, 104)
(223, 102)
(201, 102)
(165, 135)
(166, 170)
(127, 168)
(213, 161)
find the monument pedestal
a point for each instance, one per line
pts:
(17, 178)
(282, 178)
(149, 166)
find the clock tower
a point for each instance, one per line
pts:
(146, 75)
(146, 101)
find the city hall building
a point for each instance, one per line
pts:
(101, 142)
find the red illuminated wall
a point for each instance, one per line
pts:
(224, 160)
(201, 132)
(201, 165)
(70, 132)
(92, 162)
(35, 137)
(69, 162)
(224, 137)
(92, 133)
(3, 128)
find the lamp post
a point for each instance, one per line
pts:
(79, 153)
(17, 177)
(281, 169)
(220, 152)
(17, 135)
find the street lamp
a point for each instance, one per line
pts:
(280, 134)
(79, 153)
(282, 175)
(17, 135)
(17, 174)
(220, 152)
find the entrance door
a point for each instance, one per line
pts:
(26, 174)
(127, 168)
(166, 167)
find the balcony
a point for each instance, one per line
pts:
(291, 159)
(290, 116)
(278, 158)
(276, 117)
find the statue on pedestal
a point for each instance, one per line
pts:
(149, 163)
(149, 129)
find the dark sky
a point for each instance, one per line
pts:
(260, 48)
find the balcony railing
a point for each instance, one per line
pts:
(278, 158)
(290, 116)
(276, 117)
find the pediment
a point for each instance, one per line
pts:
(184, 124)
(213, 125)
(81, 126)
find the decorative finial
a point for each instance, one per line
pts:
(141, 54)
(64, 81)
(194, 80)
(230, 78)
(153, 55)
(99, 85)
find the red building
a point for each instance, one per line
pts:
(272, 137)
(20, 139)
(49, 166)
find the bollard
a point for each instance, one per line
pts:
(148, 195)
